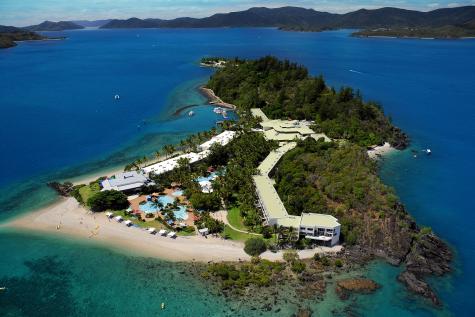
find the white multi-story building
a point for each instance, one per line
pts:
(319, 227)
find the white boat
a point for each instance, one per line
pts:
(116, 97)
(218, 110)
(2, 288)
(428, 152)
(191, 113)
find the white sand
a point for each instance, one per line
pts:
(381, 150)
(77, 222)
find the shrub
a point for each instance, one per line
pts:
(255, 246)
(324, 260)
(290, 256)
(298, 266)
(108, 200)
(267, 232)
(338, 263)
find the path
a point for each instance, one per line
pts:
(222, 215)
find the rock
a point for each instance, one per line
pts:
(357, 285)
(418, 286)
(62, 189)
(304, 312)
(429, 256)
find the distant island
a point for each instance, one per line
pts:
(449, 22)
(54, 26)
(445, 32)
(9, 35)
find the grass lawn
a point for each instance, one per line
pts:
(235, 219)
(88, 191)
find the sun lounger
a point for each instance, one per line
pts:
(172, 234)
(109, 214)
(162, 232)
(128, 223)
(151, 230)
(118, 219)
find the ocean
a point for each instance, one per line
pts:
(60, 119)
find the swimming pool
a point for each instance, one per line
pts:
(177, 193)
(149, 207)
(181, 213)
(210, 177)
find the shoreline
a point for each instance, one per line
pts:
(380, 151)
(77, 222)
(215, 100)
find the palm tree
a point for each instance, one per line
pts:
(158, 154)
(157, 204)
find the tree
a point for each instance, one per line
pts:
(108, 200)
(255, 246)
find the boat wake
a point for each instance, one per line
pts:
(355, 71)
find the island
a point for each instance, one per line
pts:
(454, 22)
(445, 32)
(54, 26)
(287, 195)
(9, 35)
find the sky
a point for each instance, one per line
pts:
(27, 12)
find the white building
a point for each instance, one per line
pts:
(223, 139)
(320, 227)
(127, 181)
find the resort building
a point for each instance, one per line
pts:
(223, 139)
(125, 182)
(285, 130)
(319, 227)
(170, 164)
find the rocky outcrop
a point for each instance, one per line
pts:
(428, 256)
(63, 189)
(357, 285)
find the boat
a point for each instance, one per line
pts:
(428, 151)
(191, 113)
(225, 114)
(116, 97)
(218, 110)
(3, 288)
(162, 305)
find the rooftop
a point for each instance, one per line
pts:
(269, 197)
(326, 221)
(273, 158)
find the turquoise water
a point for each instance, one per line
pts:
(210, 177)
(59, 119)
(177, 193)
(149, 207)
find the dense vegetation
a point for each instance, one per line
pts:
(10, 34)
(340, 180)
(255, 246)
(285, 90)
(108, 200)
(301, 19)
(445, 32)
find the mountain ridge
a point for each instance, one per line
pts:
(297, 18)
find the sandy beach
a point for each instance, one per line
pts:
(76, 222)
(381, 150)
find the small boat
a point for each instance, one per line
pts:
(162, 305)
(116, 97)
(218, 110)
(428, 151)
(191, 113)
(3, 288)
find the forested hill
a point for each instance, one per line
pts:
(54, 26)
(286, 90)
(10, 34)
(295, 18)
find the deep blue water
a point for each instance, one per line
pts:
(59, 118)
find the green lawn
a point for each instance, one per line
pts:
(232, 234)
(89, 190)
(235, 219)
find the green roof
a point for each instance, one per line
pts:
(256, 112)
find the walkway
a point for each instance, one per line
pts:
(222, 215)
